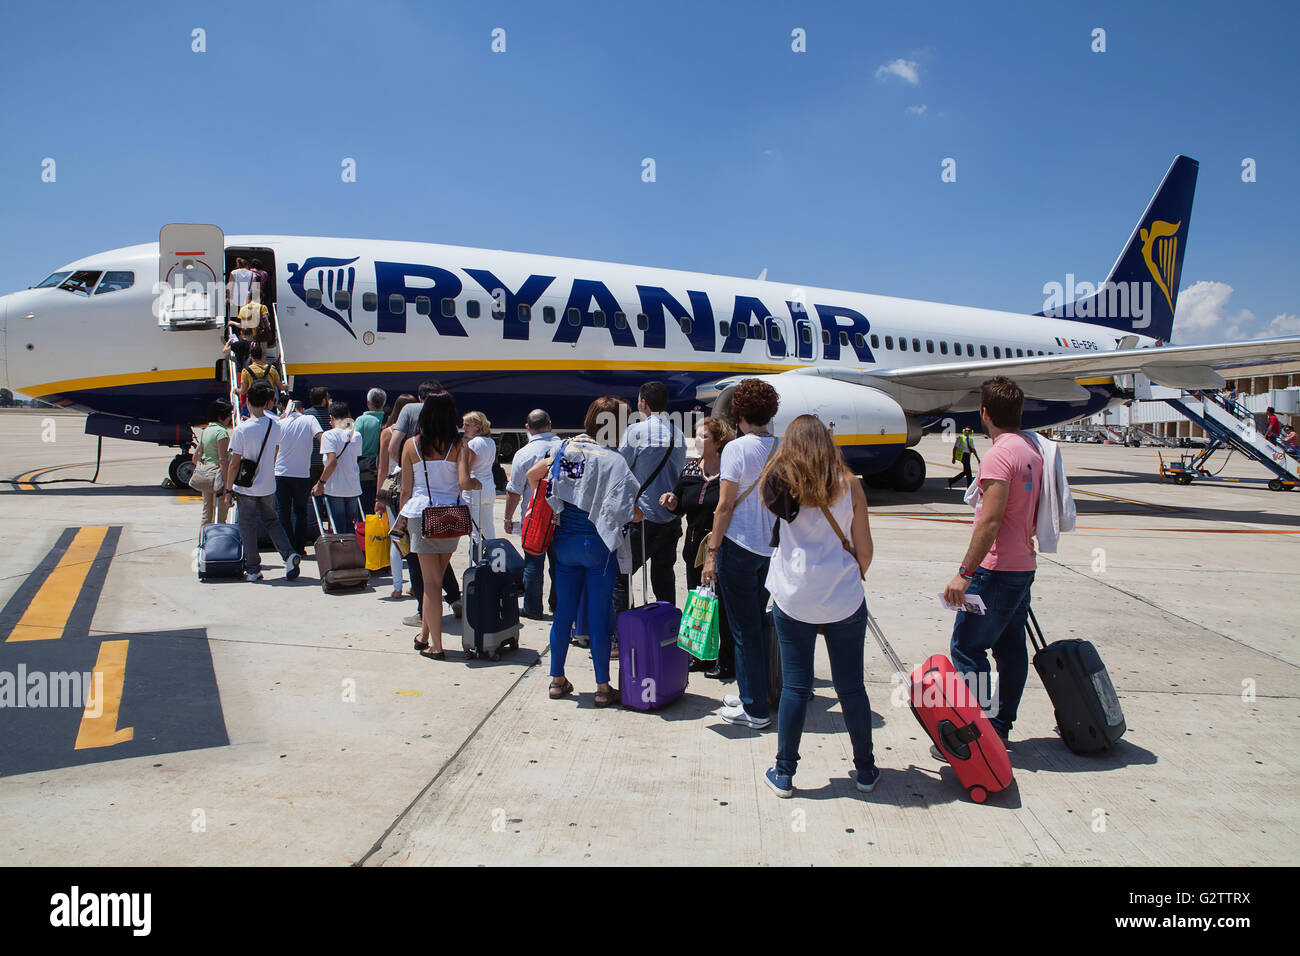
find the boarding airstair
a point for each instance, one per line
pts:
(1231, 426)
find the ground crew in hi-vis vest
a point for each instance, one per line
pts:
(962, 449)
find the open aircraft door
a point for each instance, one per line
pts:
(191, 277)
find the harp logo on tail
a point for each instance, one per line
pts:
(1160, 251)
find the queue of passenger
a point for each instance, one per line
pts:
(769, 520)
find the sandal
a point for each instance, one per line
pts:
(605, 698)
(421, 645)
(435, 656)
(559, 691)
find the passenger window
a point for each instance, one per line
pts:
(525, 312)
(902, 344)
(916, 345)
(548, 314)
(776, 333)
(929, 346)
(889, 342)
(449, 308)
(313, 298)
(1020, 353)
(844, 338)
(685, 322)
(742, 331)
(598, 319)
(473, 309)
(342, 298)
(826, 337)
(943, 348)
(859, 340)
(758, 332)
(574, 317)
(396, 304)
(115, 282)
(997, 352)
(643, 321)
(984, 351)
(80, 282)
(620, 320)
(805, 333)
(423, 304)
(724, 328)
(970, 350)
(875, 340)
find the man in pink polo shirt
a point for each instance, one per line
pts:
(999, 563)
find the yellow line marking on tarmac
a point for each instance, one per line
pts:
(99, 721)
(24, 481)
(50, 609)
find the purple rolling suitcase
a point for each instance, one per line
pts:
(652, 669)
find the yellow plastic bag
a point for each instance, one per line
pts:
(377, 542)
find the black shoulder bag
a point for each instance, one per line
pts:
(248, 469)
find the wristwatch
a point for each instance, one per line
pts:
(966, 573)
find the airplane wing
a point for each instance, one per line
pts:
(1055, 377)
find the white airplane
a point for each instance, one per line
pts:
(128, 335)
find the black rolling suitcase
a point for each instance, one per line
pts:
(491, 601)
(1088, 713)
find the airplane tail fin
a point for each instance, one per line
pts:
(1141, 291)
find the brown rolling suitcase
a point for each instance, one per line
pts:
(339, 557)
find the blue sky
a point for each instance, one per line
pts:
(808, 164)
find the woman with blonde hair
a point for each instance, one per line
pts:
(478, 431)
(823, 549)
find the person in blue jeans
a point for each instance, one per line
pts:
(593, 493)
(822, 553)
(1000, 561)
(739, 551)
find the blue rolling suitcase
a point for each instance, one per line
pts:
(221, 552)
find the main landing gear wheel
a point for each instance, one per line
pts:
(180, 470)
(1275, 484)
(908, 473)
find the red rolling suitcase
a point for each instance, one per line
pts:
(954, 720)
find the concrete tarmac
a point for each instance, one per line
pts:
(271, 724)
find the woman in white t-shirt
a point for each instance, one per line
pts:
(340, 480)
(477, 430)
(815, 578)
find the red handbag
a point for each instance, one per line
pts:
(538, 527)
(444, 521)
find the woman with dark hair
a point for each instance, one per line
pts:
(210, 457)
(435, 470)
(390, 490)
(696, 496)
(593, 493)
(739, 552)
(340, 480)
(815, 579)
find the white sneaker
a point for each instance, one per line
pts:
(737, 715)
(730, 700)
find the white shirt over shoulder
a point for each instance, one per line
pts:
(345, 480)
(742, 462)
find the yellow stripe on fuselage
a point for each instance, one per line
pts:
(540, 365)
(870, 439)
(115, 381)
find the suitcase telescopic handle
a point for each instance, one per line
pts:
(1035, 632)
(885, 646)
(315, 506)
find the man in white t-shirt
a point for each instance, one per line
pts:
(340, 481)
(240, 284)
(257, 439)
(541, 444)
(740, 551)
(293, 473)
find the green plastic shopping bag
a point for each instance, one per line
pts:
(698, 634)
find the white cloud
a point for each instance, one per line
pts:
(904, 69)
(916, 110)
(1204, 315)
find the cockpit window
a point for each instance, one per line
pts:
(53, 280)
(80, 282)
(115, 282)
